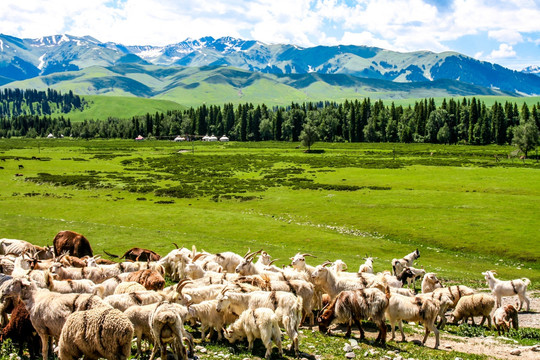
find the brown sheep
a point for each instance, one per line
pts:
(474, 305)
(21, 332)
(505, 316)
(73, 243)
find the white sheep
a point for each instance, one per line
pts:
(501, 288)
(455, 292)
(445, 302)
(69, 286)
(332, 284)
(367, 266)
(128, 287)
(254, 324)
(474, 305)
(413, 309)
(124, 301)
(96, 333)
(210, 319)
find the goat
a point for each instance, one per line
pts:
(96, 274)
(354, 306)
(150, 279)
(367, 266)
(474, 305)
(505, 316)
(127, 287)
(417, 274)
(413, 309)
(124, 301)
(49, 310)
(445, 302)
(74, 243)
(254, 324)
(69, 286)
(20, 247)
(332, 285)
(287, 306)
(455, 292)
(96, 333)
(167, 328)
(138, 254)
(501, 288)
(205, 312)
(399, 264)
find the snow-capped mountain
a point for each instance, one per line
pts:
(533, 69)
(26, 58)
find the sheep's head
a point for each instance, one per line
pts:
(231, 335)
(17, 287)
(244, 268)
(55, 267)
(319, 274)
(265, 258)
(339, 265)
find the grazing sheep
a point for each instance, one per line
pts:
(254, 324)
(167, 328)
(474, 305)
(508, 288)
(445, 302)
(399, 264)
(455, 292)
(96, 333)
(413, 309)
(354, 306)
(505, 316)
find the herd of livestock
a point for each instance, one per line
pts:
(94, 307)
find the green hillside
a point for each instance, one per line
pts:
(220, 84)
(101, 107)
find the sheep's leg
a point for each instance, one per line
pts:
(426, 334)
(400, 323)
(44, 345)
(382, 333)
(498, 301)
(436, 331)
(154, 351)
(348, 333)
(393, 326)
(250, 342)
(483, 321)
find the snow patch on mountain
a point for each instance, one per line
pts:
(41, 61)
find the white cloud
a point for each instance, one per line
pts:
(504, 51)
(506, 35)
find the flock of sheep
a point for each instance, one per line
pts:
(94, 307)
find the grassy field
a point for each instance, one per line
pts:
(462, 209)
(101, 107)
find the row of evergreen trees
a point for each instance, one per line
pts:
(17, 102)
(455, 121)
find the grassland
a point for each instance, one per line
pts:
(465, 211)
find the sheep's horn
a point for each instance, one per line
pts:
(198, 256)
(326, 263)
(309, 255)
(249, 250)
(175, 245)
(181, 285)
(346, 267)
(273, 261)
(251, 256)
(224, 290)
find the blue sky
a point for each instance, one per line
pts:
(504, 32)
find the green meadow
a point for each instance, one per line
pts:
(468, 209)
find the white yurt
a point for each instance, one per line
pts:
(224, 138)
(179, 138)
(212, 138)
(206, 138)
(50, 136)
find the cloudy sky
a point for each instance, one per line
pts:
(505, 32)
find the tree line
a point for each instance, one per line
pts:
(465, 121)
(17, 102)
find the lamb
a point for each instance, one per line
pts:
(210, 319)
(430, 282)
(505, 316)
(508, 288)
(167, 328)
(413, 309)
(259, 323)
(399, 264)
(474, 305)
(287, 306)
(49, 310)
(354, 306)
(367, 266)
(96, 333)
(150, 279)
(20, 330)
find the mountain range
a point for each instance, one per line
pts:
(89, 66)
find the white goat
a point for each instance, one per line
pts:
(455, 292)
(69, 286)
(124, 301)
(254, 324)
(399, 264)
(430, 282)
(367, 266)
(332, 284)
(413, 309)
(210, 319)
(501, 288)
(168, 328)
(287, 306)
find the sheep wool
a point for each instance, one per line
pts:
(474, 305)
(97, 333)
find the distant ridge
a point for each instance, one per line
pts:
(22, 59)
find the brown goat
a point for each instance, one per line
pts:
(73, 243)
(354, 306)
(505, 316)
(138, 254)
(21, 332)
(150, 279)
